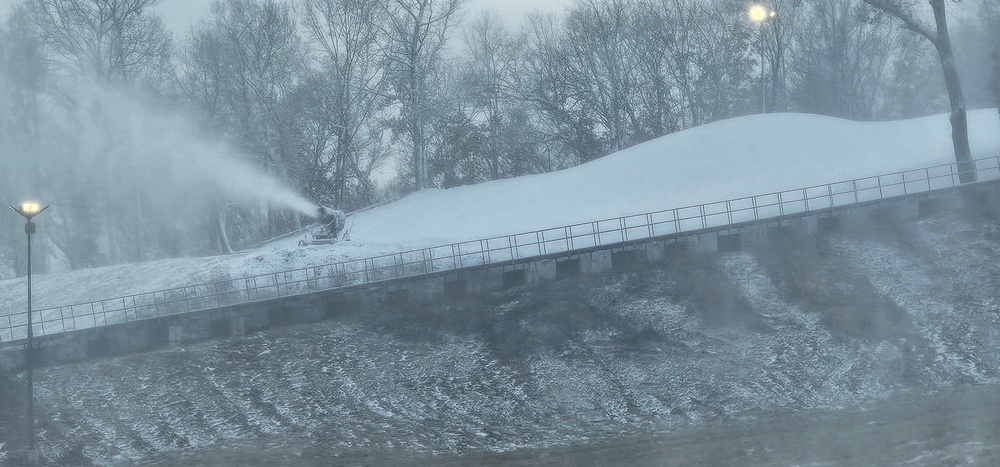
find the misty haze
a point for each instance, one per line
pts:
(460, 232)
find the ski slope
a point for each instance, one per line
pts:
(728, 159)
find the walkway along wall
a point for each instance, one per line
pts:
(236, 320)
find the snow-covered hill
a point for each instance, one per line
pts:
(723, 160)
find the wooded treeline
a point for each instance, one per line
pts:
(352, 102)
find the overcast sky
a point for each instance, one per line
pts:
(181, 14)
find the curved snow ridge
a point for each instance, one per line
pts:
(728, 159)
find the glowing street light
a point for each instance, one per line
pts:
(30, 210)
(760, 14)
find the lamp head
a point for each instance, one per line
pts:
(29, 209)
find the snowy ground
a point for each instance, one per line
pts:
(728, 159)
(809, 323)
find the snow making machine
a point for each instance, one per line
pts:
(329, 225)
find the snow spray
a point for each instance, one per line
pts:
(182, 160)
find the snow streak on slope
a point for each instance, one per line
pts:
(800, 323)
(728, 159)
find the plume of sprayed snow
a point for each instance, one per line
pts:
(171, 155)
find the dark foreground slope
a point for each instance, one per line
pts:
(875, 344)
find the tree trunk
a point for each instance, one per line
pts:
(419, 154)
(221, 235)
(959, 119)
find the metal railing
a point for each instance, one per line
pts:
(668, 222)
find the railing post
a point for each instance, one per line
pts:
(649, 226)
(704, 220)
(756, 214)
(781, 206)
(677, 221)
(729, 212)
(829, 194)
(595, 230)
(805, 199)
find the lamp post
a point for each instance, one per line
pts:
(30, 210)
(760, 14)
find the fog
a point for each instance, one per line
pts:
(122, 156)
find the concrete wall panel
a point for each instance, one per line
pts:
(595, 262)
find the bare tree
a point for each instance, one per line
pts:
(106, 42)
(114, 40)
(558, 95)
(692, 62)
(490, 71)
(240, 68)
(347, 34)
(842, 59)
(939, 37)
(417, 32)
(775, 40)
(603, 57)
